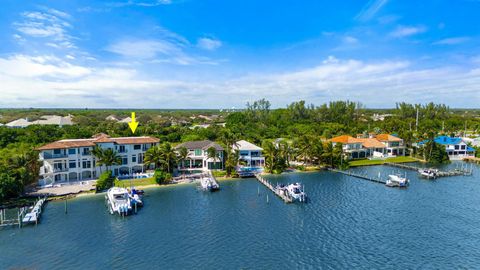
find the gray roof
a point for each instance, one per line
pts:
(204, 145)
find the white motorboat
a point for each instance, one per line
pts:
(428, 173)
(397, 181)
(296, 192)
(119, 201)
(208, 183)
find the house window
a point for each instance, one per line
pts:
(463, 147)
(72, 151)
(457, 147)
(57, 151)
(72, 164)
(86, 164)
(86, 151)
(198, 152)
(137, 147)
(124, 160)
(121, 149)
(134, 159)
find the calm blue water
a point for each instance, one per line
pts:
(348, 223)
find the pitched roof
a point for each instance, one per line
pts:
(244, 145)
(200, 145)
(102, 138)
(18, 123)
(387, 138)
(345, 139)
(372, 143)
(126, 120)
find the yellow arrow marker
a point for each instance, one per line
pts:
(133, 124)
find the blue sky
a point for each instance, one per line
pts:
(222, 54)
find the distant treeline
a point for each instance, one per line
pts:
(257, 123)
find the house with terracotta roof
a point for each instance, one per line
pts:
(72, 160)
(198, 159)
(394, 145)
(382, 145)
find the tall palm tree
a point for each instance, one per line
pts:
(108, 158)
(229, 139)
(168, 155)
(182, 155)
(212, 154)
(270, 152)
(154, 156)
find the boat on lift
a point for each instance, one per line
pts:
(119, 201)
(397, 181)
(428, 173)
(296, 192)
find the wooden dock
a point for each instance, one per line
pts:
(23, 215)
(280, 193)
(462, 171)
(359, 176)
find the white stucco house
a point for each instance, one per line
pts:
(72, 159)
(249, 153)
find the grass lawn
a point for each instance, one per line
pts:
(135, 182)
(366, 162)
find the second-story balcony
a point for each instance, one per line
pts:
(57, 170)
(54, 156)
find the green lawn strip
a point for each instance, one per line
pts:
(367, 162)
(135, 182)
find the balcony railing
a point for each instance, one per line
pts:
(52, 156)
(56, 170)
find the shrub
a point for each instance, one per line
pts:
(105, 181)
(162, 177)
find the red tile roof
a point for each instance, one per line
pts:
(98, 139)
(387, 138)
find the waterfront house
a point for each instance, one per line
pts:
(394, 145)
(198, 159)
(249, 153)
(352, 147)
(382, 145)
(72, 159)
(456, 147)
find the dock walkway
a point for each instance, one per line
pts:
(463, 171)
(360, 176)
(24, 216)
(280, 193)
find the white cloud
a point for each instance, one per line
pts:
(50, 24)
(405, 31)
(209, 44)
(144, 49)
(172, 49)
(23, 66)
(143, 3)
(27, 81)
(452, 41)
(370, 9)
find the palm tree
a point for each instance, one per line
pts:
(229, 139)
(231, 161)
(212, 154)
(108, 157)
(168, 155)
(154, 156)
(270, 152)
(182, 155)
